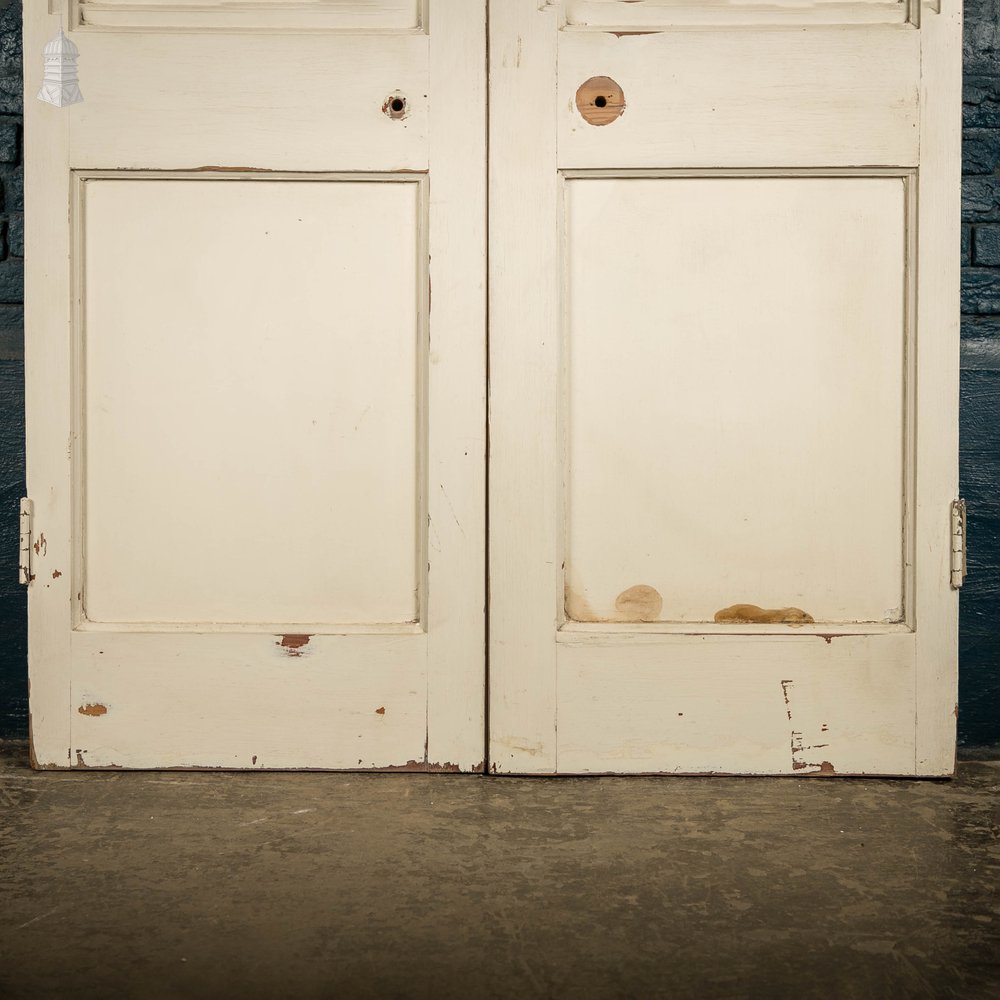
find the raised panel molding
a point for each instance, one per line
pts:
(249, 15)
(629, 16)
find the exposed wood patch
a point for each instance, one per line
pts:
(380, 711)
(41, 546)
(56, 574)
(293, 644)
(93, 709)
(600, 100)
(640, 603)
(751, 614)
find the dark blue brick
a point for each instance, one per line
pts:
(980, 151)
(8, 141)
(12, 281)
(15, 235)
(978, 327)
(980, 290)
(966, 245)
(980, 198)
(13, 190)
(986, 246)
(981, 42)
(981, 102)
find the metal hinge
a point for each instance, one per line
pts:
(24, 558)
(958, 543)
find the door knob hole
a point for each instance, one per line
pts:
(395, 106)
(600, 100)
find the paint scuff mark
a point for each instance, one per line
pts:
(93, 709)
(253, 759)
(751, 614)
(798, 744)
(380, 711)
(627, 34)
(293, 644)
(80, 762)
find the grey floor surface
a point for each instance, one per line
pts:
(322, 885)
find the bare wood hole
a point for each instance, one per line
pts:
(600, 100)
(395, 106)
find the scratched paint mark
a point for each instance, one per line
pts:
(640, 603)
(93, 710)
(751, 614)
(799, 746)
(293, 644)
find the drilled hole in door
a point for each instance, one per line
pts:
(600, 100)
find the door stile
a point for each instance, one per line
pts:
(937, 396)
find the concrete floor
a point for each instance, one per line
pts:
(309, 885)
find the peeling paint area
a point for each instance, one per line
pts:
(93, 709)
(751, 614)
(640, 603)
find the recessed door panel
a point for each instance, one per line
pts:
(759, 328)
(254, 393)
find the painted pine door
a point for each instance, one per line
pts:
(723, 403)
(255, 453)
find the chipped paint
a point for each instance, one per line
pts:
(751, 614)
(419, 767)
(293, 644)
(56, 574)
(93, 709)
(380, 711)
(41, 546)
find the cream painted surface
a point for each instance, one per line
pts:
(301, 15)
(746, 97)
(275, 592)
(247, 417)
(656, 375)
(784, 368)
(658, 14)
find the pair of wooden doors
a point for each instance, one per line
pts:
(715, 248)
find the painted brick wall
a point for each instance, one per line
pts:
(979, 719)
(13, 601)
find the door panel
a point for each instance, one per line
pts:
(257, 457)
(747, 333)
(275, 378)
(726, 362)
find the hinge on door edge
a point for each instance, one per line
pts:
(24, 558)
(958, 544)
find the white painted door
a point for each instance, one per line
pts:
(255, 452)
(723, 404)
